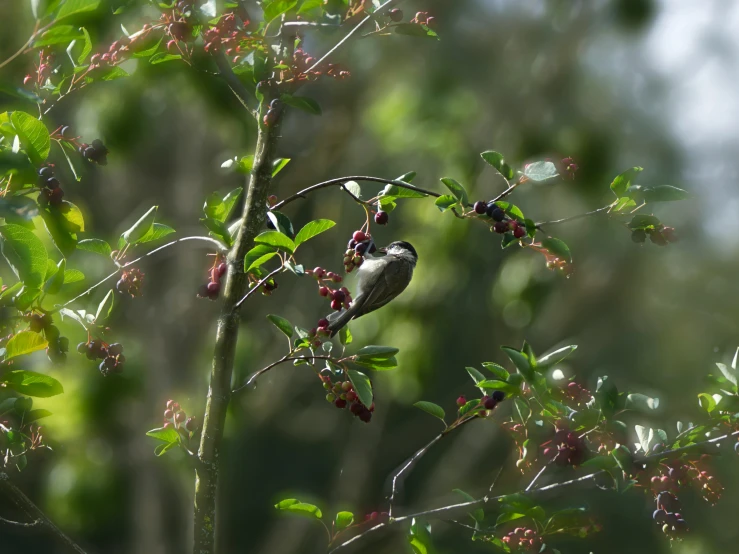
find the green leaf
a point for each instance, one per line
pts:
(157, 231)
(61, 34)
(475, 374)
(728, 373)
(362, 386)
(664, 193)
(300, 508)
(623, 181)
(394, 191)
(644, 222)
(445, 201)
(345, 336)
(558, 248)
(275, 8)
(707, 402)
(419, 537)
(257, 256)
(497, 160)
(312, 229)
(24, 342)
(148, 52)
(499, 371)
(521, 361)
(431, 408)
(139, 229)
(281, 223)
(282, 324)
(378, 352)
(106, 302)
(642, 402)
(553, 358)
(32, 384)
(220, 208)
(218, 230)
(354, 188)
(477, 514)
(278, 165)
(343, 520)
(302, 103)
(276, 239)
(73, 276)
(56, 280)
(25, 253)
(165, 434)
(159, 57)
(511, 210)
(87, 48)
(540, 171)
(496, 384)
(33, 135)
(415, 30)
(95, 245)
(35, 415)
(457, 190)
(72, 7)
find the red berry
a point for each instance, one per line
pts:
(340, 403)
(359, 236)
(323, 323)
(335, 305)
(168, 414)
(488, 402)
(214, 288)
(55, 198)
(461, 401)
(501, 227)
(222, 269)
(323, 291)
(319, 272)
(519, 232)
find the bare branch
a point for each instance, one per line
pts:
(256, 287)
(25, 504)
(20, 523)
(284, 359)
(536, 478)
(342, 180)
(572, 218)
(407, 466)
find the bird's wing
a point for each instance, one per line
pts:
(376, 294)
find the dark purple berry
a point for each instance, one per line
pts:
(489, 402)
(115, 349)
(501, 227)
(361, 248)
(46, 172)
(213, 288)
(52, 183)
(395, 14)
(481, 207)
(381, 218)
(498, 395)
(340, 403)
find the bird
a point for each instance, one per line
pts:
(379, 280)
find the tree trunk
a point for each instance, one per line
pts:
(219, 393)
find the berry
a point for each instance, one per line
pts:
(461, 401)
(213, 288)
(498, 395)
(330, 398)
(395, 14)
(55, 198)
(669, 234)
(202, 291)
(323, 291)
(346, 386)
(335, 278)
(495, 212)
(115, 349)
(323, 323)
(359, 236)
(501, 227)
(381, 218)
(360, 248)
(519, 232)
(179, 30)
(657, 238)
(46, 172)
(319, 272)
(351, 245)
(340, 403)
(270, 117)
(275, 104)
(82, 348)
(481, 207)
(335, 305)
(489, 402)
(339, 295)
(52, 183)
(222, 269)
(638, 235)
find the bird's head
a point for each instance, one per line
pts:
(401, 249)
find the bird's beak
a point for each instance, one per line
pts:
(383, 250)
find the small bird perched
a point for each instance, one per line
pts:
(379, 280)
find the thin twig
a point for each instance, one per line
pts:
(406, 466)
(36, 31)
(573, 218)
(124, 266)
(351, 33)
(342, 180)
(236, 86)
(25, 504)
(284, 359)
(536, 478)
(21, 523)
(257, 286)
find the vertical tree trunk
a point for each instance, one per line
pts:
(219, 393)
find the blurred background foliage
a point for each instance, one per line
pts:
(612, 83)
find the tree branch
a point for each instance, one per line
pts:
(25, 504)
(152, 252)
(466, 506)
(284, 359)
(573, 218)
(259, 284)
(236, 86)
(356, 28)
(342, 180)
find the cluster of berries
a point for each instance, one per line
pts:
(43, 70)
(119, 50)
(486, 402)
(576, 393)
(96, 152)
(224, 35)
(268, 287)
(376, 516)
(302, 63)
(131, 281)
(111, 355)
(667, 515)
(175, 417)
(661, 236)
(568, 167)
(51, 192)
(273, 112)
(58, 346)
(522, 539)
(565, 448)
(503, 223)
(423, 18)
(339, 297)
(342, 394)
(212, 289)
(360, 244)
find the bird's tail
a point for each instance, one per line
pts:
(337, 320)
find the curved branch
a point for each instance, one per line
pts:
(256, 287)
(574, 217)
(25, 504)
(342, 180)
(35, 523)
(286, 358)
(36, 31)
(183, 239)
